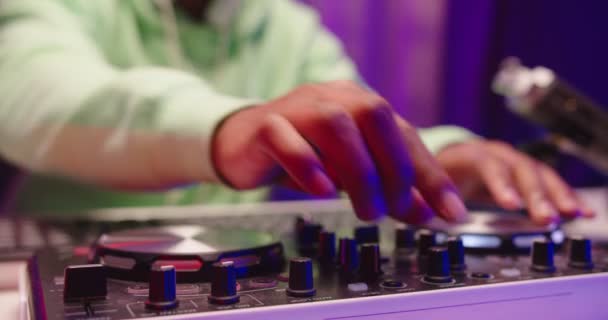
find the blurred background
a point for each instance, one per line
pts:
(434, 60)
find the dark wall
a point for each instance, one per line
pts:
(570, 37)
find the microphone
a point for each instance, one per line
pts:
(577, 125)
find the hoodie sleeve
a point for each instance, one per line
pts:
(64, 110)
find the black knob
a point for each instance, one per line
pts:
(438, 268)
(300, 278)
(370, 261)
(223, 284)
(405, 239)
(542, 256)
(308, 237)
(456, 253)
(84, 282)
(327, 248)
(348, 257)
(426, 240)
(367, 234)
(580, 253)
(162, 295)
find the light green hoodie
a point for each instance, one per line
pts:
(113, 92)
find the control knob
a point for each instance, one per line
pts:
(367, 234)
(438, 268)
(542, 256)
(300, 278)
(426, 240)
(223, 284)
(162, 292)
(456, 253)
(84, 282)
(327, 248)
(580, 253)
(405, 239)
(370, 261)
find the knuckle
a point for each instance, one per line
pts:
(376, 106)
(335, 116)
(435, 182)
(267, 126)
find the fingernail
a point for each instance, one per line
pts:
(322, 184)
(547, 211)
(510, 196)
(588, 212)
(568, 205)
(453, 207)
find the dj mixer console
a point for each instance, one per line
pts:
(299, 262)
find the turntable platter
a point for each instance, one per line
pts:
(190, 249)
(184, 240)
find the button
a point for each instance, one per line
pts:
(481, 275)
(223, 284)
(510, 272)
(392, 284)
(84, 282)
(357, 287)
(263, 283)
(180, 265)
(162, 294)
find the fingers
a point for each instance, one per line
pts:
(529, 182)
(545, 193)
(383, 138)
(388, 150)
(342, 147)
(562, 195)
(418, 212)
(430, 179)
(497, 178)
(286, 146)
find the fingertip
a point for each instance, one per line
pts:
(510, 200)
(370, 209)
(588, 212)
(322, 184)
(544, 213)
(452, 208)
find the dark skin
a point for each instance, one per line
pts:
(409, 184)
(195, 9)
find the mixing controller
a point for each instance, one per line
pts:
(317, 264)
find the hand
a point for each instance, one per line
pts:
(337, 135)
(489, 169)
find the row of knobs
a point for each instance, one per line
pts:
(441, 263)
(87, 282)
